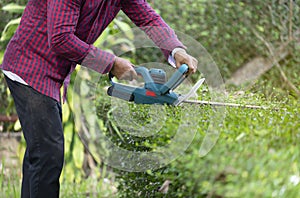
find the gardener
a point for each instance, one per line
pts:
(53, 37)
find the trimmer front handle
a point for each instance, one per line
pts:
(176, 79)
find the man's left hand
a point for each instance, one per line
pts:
(181, 57)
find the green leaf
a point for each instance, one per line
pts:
(261, 132)
(17, 125)
(99, 42)
(260, 28)
(65, 112)
(21, 149)
(205, 33)
(69, 172)
(126, 29)
(94, 150)
(68, 134)
(1, 56)
(75, 109)
(78, 152)
(242, 135)
(14, 8)
(10, 29)
(84, 88)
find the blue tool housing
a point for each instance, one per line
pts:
(156, 89)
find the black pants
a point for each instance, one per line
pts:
(41, 122)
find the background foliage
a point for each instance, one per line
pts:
(257, 153)
(227, 28)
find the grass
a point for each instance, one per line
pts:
(257, 155)
(9, 182)
(89, 187)
(10, 186)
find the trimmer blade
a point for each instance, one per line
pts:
(190, 93)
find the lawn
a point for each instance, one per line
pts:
(256, 155)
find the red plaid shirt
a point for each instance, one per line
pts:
(55, 35)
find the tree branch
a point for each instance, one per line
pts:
(291, 20)
(274, 58)
(5, 118)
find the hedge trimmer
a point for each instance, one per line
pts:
(158, 90)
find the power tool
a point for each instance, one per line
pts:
(157, 89)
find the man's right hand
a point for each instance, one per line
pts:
(123, 69)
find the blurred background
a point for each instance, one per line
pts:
(255, 44)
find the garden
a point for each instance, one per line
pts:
(246, 146)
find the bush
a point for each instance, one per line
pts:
(255, 156)
(227, 28)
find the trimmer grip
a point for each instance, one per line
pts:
(175, 79)
(111, 76)
(110, 90)
(121, 91)
(149, 83)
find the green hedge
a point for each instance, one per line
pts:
(256, 155)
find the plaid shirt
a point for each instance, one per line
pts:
(55, 35)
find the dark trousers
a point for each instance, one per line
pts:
(41, 122)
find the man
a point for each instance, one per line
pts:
(54, 36)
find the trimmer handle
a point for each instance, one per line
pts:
(111, 76)
(175, 80)
(139, 70)
(144, 72)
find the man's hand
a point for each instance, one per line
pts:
(123, 69)
(181, 57)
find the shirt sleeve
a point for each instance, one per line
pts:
(143, 16)
(62, 18)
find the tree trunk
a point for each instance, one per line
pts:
(257, 67)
